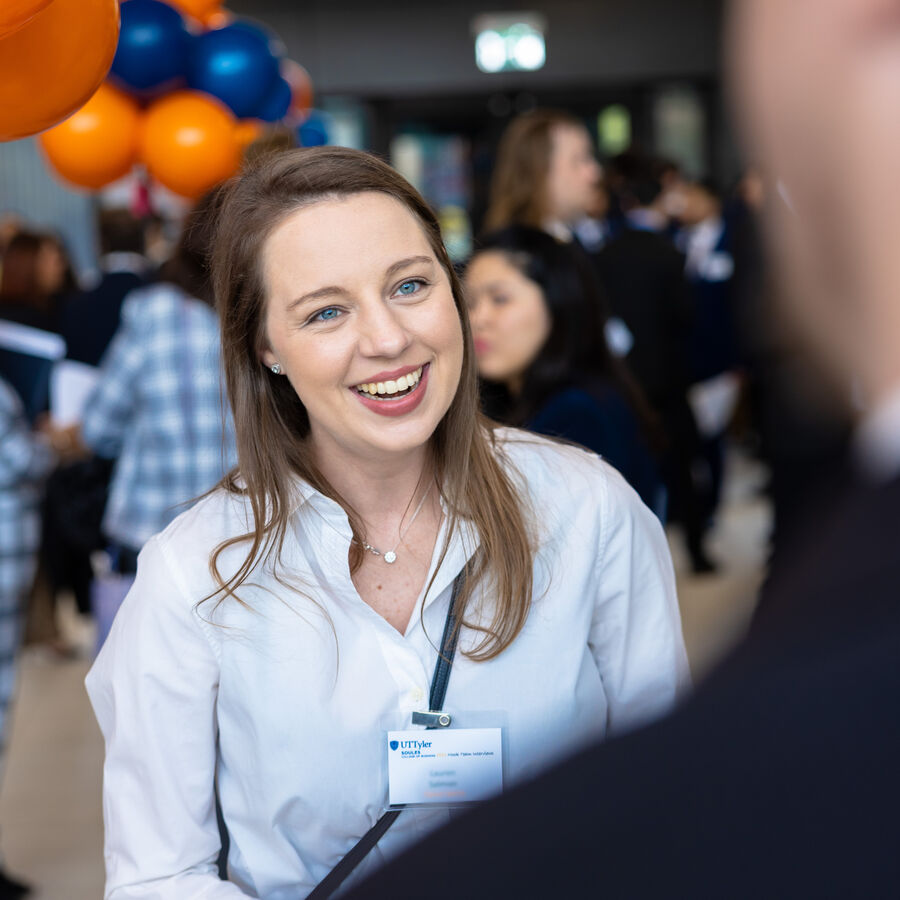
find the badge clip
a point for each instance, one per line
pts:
(431, 719)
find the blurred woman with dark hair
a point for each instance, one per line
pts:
(539, 334)
(36, 274)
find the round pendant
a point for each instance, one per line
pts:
(390, 556)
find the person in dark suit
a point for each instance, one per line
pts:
(706, 238)
(779, 778)
(89, 319)
(643, 278)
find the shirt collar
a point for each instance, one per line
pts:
(463, 543)
(643, 219)
(707, 232)
(877, 439)
(560, 231)
(124, 262)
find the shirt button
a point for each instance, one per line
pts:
(417, 695)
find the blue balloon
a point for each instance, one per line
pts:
(152, 53)
(236, 65)
(313, 132)
(277, 104)
(257, 28)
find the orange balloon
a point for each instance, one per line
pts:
(199, 9)
(247, 131)
(99, 143)
(301, 87)
(16, 13)
(189, 143)
(52, 65)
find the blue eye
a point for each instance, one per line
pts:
(409, 287)
(326, 315)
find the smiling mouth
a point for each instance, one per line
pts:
(391, 390)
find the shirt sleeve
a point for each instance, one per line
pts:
(153, 689)
(636, 634)
(110, 409)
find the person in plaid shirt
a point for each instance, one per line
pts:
(159, 407)
(25, 460)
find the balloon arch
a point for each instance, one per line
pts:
(180, 87)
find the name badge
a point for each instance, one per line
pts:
(445, 766)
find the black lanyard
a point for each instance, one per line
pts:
(434, 718)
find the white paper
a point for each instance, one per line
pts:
(71, 385)
(713, 403)
(444, 766)
(31, 341)
(619, 338)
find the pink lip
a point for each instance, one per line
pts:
(402, 405)
(481, 346)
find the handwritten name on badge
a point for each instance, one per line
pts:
(448, 767)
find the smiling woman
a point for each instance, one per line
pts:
(280, 630)
(369, 302)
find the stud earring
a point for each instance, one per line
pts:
(276, 369)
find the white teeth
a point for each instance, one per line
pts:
(403, 383)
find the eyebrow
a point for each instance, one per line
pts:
(335, 291)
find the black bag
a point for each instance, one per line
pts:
(75, 501)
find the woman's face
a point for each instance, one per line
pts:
(360, 316)
(510, 320)
(573, 174)
(50, 268)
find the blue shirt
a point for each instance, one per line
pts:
(160, 408)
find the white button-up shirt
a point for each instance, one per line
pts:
(286, 701)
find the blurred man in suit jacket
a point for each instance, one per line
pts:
(779, 778)
(90, 318)
(643, 277)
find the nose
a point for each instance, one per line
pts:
(381, 331)
(479, 314)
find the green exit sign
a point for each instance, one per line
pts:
(510, 42)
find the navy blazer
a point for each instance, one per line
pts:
(599, 418)
(89, 319)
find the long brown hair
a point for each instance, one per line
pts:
(518, 186)
(273, 426)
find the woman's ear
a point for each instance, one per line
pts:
(267, 357)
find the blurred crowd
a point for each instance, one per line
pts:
(624, 306)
